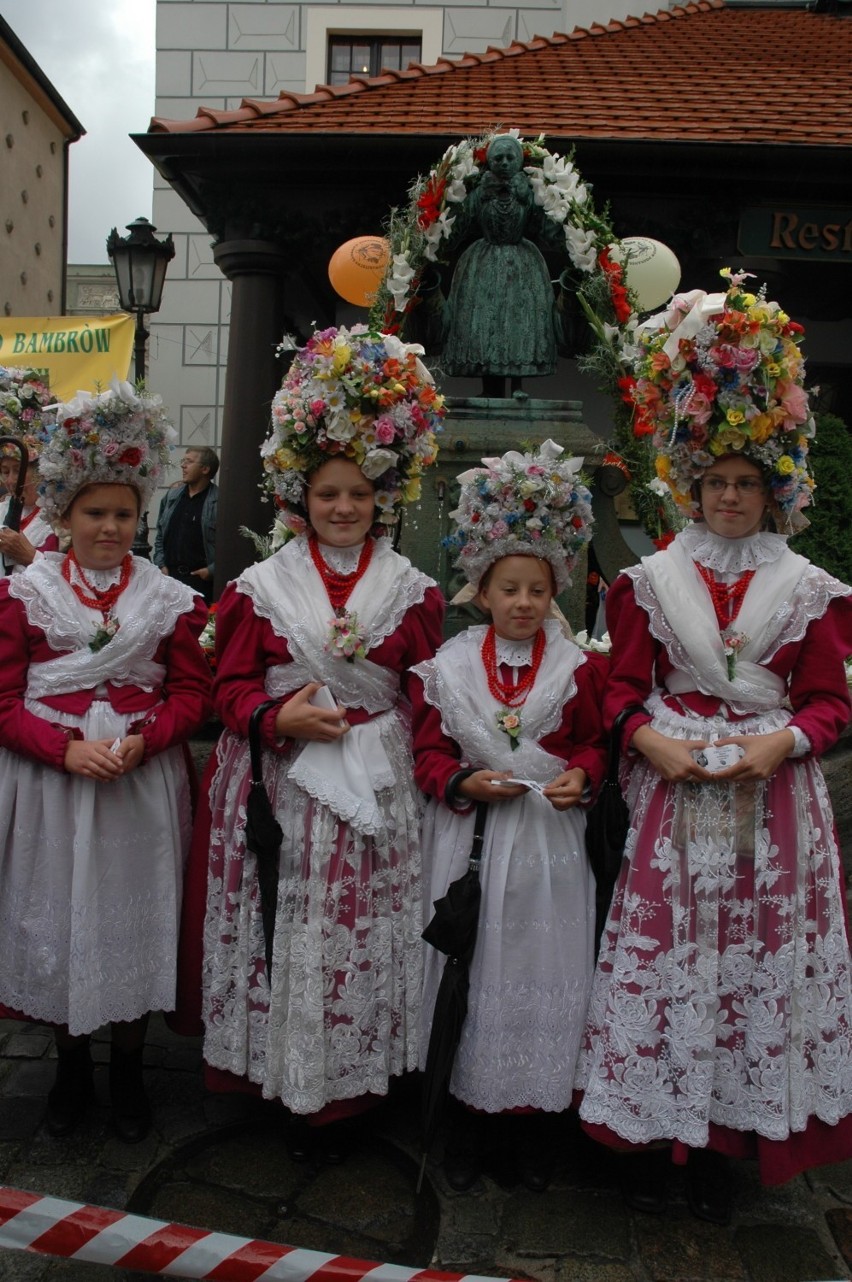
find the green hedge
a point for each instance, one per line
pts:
(828, 539)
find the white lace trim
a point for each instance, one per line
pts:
(514, 654)
(731, 556)
(147, 611)
(814, 593)
(341, 560)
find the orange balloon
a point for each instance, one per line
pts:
(357, 268)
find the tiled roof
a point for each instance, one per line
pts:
(699, 72)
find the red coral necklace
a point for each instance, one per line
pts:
(727, 598)
(512, 694)
(340, 586)
(93, 597)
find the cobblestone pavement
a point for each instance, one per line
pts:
(218, 1162)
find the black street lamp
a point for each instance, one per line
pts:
(140, 262)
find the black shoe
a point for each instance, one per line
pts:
(535, 1156)
(299, 1140)
(463, 1153)
(131, 1111)
(336, 1141)
(72, 1090)
(643, 1178)
(709, 1188)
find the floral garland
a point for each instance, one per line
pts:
(117, 437)
(723, 374)
(531, 504)
(360, 395)
(419, 235)
(24, 399)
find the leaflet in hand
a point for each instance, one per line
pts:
(525, 783)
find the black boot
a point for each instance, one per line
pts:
(535, 1153)
(131, 1112)
(708, 1186)
(463, 1151)
(72, 1090)
(643, 1177)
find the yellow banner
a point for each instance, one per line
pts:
(71, 353)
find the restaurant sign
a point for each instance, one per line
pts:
(811, 233)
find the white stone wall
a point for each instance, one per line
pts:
(214, 53)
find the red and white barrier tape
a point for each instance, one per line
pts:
(51, 1226)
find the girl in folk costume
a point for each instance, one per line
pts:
(22, 415)
(514, 699)
(101, 681)
(325, 629)
(721, 1017)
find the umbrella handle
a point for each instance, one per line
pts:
(16, 506)
(254, 739)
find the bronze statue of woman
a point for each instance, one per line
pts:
(501, 320)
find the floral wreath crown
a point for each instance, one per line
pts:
(531, 504)
(360, 395)
(723, 374)
(23, 401)
(117, 437)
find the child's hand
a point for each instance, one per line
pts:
(566, 790)
(763, 755)
(131, 750)
(479, 786)
(93, 758)
(298, 718)
(671, 758)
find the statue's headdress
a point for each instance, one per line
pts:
(23, 401)
(358, 395)
(117, 437)
(723, 374)
(531, 504)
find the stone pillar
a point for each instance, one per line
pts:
(255, 269)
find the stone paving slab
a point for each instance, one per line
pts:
(219, 1162)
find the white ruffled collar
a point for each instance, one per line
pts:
(99, 579)
(514, 654)
(341, 560)
(731, 556)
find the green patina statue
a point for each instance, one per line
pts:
(501, 319)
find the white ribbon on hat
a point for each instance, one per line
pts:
(685, 316)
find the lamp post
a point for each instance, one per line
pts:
(140, 262)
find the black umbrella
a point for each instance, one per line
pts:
(16, 501)
(263, 834)
(452, 930)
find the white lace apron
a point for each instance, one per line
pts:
(91, 873)
(723, 993)
(532, 965)
(341, 1016)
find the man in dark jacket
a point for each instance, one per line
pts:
(186, 526)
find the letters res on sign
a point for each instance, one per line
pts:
(813, 233)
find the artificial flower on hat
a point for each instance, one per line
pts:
(723, 374)
(24, 399)
(532, 504)
(360, 395)
(116, 437)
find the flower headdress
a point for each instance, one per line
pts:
(358, 395)
(722, 374)
(23, 401)
(523, 505)
(117, 437)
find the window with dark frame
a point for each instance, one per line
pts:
(367, 55)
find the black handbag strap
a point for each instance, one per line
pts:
(478, 834)
(254, 739)
(615, 738)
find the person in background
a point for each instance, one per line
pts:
(20, 547)
(102, 681)
(185, 543)
(720, 1023)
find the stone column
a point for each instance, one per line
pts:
(255, 269)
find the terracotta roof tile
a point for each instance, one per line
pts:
(698, 72)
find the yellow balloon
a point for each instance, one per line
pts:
(651, 270)
(357, 268)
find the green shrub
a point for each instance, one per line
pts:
(828, 539)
